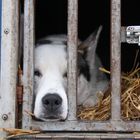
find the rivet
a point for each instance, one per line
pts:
(6, 31)
(4, 117)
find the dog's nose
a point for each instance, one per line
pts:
(52, 101)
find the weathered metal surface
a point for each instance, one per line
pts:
(103, 126)
(72, 57)
(9, 51)
(28, 61)
(81, 136)
(115, 58)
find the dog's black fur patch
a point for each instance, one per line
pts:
(83, 66)
(44, 41)
(64, 42)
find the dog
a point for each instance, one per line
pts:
(51, 102)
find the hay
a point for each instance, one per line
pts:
(130, 97)
(13, 132)
(130, 100)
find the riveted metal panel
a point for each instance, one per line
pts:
(9, 50)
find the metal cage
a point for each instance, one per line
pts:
(9, 49)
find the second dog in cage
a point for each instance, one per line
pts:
(51, 101)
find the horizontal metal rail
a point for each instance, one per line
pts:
(104, 126)
(81, 136)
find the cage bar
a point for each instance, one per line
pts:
(28, 67)
(115, 58)
(72, 57)
(8, 71)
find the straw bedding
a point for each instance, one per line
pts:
(130, 101)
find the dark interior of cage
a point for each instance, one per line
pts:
(51, 18)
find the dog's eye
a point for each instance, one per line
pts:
(65, 75)
(37, 73)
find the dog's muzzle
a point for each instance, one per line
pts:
(52, 104)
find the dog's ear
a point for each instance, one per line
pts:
(86, 53)
(88, 47)
(91, 42)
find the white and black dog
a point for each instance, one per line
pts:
(51, 101)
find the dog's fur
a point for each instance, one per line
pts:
(51, 80)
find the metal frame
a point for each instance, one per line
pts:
(72, 124)
(9, 54)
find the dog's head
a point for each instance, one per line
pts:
(51, 76)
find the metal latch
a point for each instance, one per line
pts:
(133, 35)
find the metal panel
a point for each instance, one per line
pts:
(103, 126)
(115, 59)
(72, 56)
(28, 61)
(9, 49)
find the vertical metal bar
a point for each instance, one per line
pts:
(115, 58)
(9, 50)
(0, 27)
(72, 56)
(28, 61)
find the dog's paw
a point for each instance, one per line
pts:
(92, 100)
